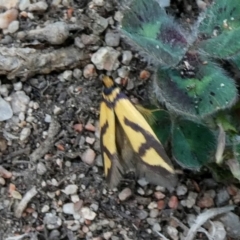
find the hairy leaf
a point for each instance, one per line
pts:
(192, 144)
(154, 32)
(207, 92)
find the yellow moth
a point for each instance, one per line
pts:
(128, 142)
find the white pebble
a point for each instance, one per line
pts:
(13, 26)
(87, 213)
(17, 86)
(70, 189)
(25, 133)
(47, 118)
(45, 209)
(24, 4)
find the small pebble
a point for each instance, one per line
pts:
(68, 208)
(45, 209)
(67, 75)
(126, 57)
(88, 156)
(24, 4)
(156, 227)
(173, 202)
(159, 195)
(153, 213)
(7, 17)
(181, 190)
(5, 110)
(90, 140)
(38, 6)
(41, 168)
(112, 39)
(89, 71)
(152, 205)
(77, 73)
(70, 189)
(19, 102)
(172, 232)
(47, 118)
(142, 214)
(106, 58)
(8, 4)
(87, 213)
(144, 75)
(25, 133)
(125, 194)
(13, 26)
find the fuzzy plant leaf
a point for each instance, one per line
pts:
(210, 90)
(154, 32)
(192, 144)
(220, 29)
(235, 61)
(162, 126)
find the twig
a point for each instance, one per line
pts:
(25, 200)
(202, 218)
(48, 143)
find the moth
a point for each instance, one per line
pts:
(129, 143)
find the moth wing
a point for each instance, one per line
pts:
(150, 158)
(112, 166)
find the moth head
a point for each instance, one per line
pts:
(108, 84)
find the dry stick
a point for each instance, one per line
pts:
(26, 62)
(48, 143)
(25, 200)
(202, 218)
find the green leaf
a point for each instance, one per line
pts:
(235, 61)
(154, 32)
(162, 125)
(221, 29)
(192, 144)
(209, 91)
(224, 45)
(221, 16)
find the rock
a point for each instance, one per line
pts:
(156, 227)
(191, 199)
(77, 73)
(89, 39)
(154, 213)
(206, 202)
(123, 72)
(38, 6)
(41, 168)
(7, 17)
(152, 205)
(4, 90)
(17, 86)
(67, 75)
(106, 58)
(19, 102)
(112, 39)
(125, 194)
(54, 33)
(172, 232)
(126, 57)
(159, 195)
(142, 214)
(87, 213)
(181, 190)
(68, 208)
(9, 4)
(173, 202)
(25, 133)
(231, 222)
(89, 156)
(52, 221)
(70, 189)
(89, 71)
(47, 118)
(5, 110)
(24, 4)
(222, 197)
(13, 26)
(99, 3)
(45, 209)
